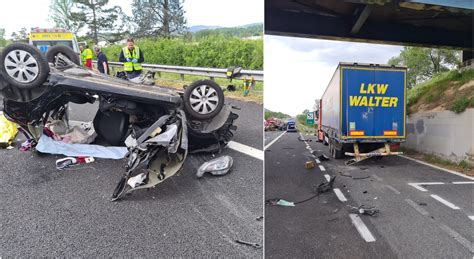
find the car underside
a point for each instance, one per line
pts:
(159, 126)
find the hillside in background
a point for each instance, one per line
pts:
(244, 31)
(197, 28)
(272, 114)
(451, 90)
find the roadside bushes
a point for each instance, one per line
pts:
(213, 51)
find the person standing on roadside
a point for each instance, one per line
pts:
(86, 56)
(132, 57)
(102, 62)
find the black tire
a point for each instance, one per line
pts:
(66, 51)
(19, 79)
(194, 89)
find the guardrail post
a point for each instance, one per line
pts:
(159, 73)
(182, 77)
(212, 78)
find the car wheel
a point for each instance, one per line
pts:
(23, 66)
(203, 99)
(64, 50)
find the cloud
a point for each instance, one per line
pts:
(298, 70)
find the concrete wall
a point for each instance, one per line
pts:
(442, 133)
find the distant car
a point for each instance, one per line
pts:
(291, 126)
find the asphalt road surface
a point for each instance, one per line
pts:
(47, 212)
(424, 212)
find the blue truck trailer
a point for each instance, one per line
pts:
(363, 110)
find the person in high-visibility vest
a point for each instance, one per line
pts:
(86, 56)
(132, 57)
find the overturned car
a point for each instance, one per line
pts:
(159, 126)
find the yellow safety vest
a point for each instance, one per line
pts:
(85, 55)
(130, 66)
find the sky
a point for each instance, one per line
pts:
(225, 13)
(297, 70)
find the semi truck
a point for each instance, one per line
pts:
(362, 112)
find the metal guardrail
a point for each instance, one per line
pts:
(197, 71)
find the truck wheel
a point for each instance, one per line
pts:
(203, 99)
(23, 66)
(64, 50)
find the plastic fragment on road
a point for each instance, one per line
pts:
(64, 163)
(50, 146)
(137, 180)
(8, 131)
(285, 203)
(309, 165)
(216, 166)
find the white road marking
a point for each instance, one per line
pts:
(246, 149)
(377, 177)
(417, 207)
(393, 189)
(440, 168)
(327, 177)
(471, 217)
(417, 185)
(463, 241)
(322, 168)
(275, 140)
(362, 228)
(317, 161)
(445, 202)
(339, 194)
(463, 182)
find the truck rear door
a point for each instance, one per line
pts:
(373, 102)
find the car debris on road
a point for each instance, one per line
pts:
(309, 164)
(67, 162)
(255, 245)
(217, 166)
(362, 210)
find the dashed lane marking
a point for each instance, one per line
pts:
(463, 182)
(339, 194)
(471, 217)
(393, 189)
(317, 161)
(463, 241)
(246, 149)
(328, 178)
(322, 168)
(362, 228)
(417, 207)
(417, 185)
(275, 140)
(445, 202)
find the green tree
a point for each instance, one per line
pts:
(98, 18)
(21, 35)
(164, 18)
(3, 41)
(424, 63)
(61, 14)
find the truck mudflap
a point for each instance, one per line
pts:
(383, 151)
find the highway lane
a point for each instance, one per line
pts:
(411, 223)
(68, 213)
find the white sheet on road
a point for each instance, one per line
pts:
(48, 145)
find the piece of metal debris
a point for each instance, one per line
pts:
(260, 218)
(216, 166)
(309, 164)
(255, 245)
(362, 210)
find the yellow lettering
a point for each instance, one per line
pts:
(362, 90)
(378, 99)
(363, 101)
(393, 102)
(354, 100)
(382, 88)
(371, 103)
(371, 89)
(385, 101)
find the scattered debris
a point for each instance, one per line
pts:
(260, 218)
(422, 203)
(9, 147)
(255, 245)
(25, 146)
(362, 210)
(231, 88)
(217, 166)
(137, 180)
(64, 163)
(323, 157)
(325, 186)
(309, 164)
(285, 203)
(364, 192)
(303, 139)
